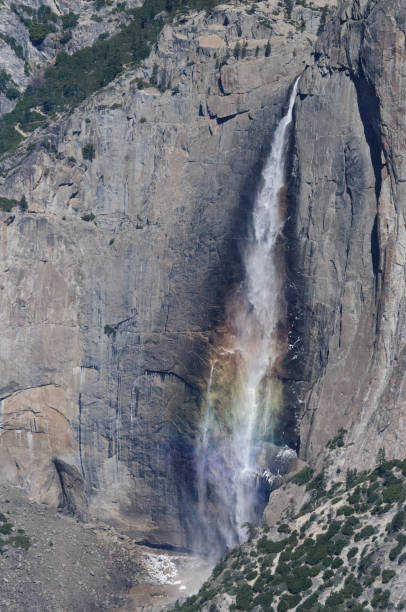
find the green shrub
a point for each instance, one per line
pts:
(6, 528)
(351, 588)
(39, 31)
(268, 546)
(351, 478)
(264, 599)
(387, 575)
(316, 554)
(317, 485)
(88, 152)
(243, 598)
(282, 568)
(355, 498)
(287, 602)
(219, 568)
(348, 527)
(337, 562)
(251, 575)
(335, 599)
(306, 508)
(70, 20)
(365, 563)
(338, 440)
(5, 79)
(88, 217)
(365, 533)
(298, 580)
(395, 492)
(259, 584)
(286, 554)
(397, 523)
(7, 204)
(120, 7)
(303, 477)
(12, 93)
(346, 510)
(20, 541)
(309, 604)
(352, 552)
(327, 561)
(380, 599)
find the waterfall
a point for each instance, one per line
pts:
(236, 435)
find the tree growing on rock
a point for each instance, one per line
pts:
(268, 49)
(289, 8)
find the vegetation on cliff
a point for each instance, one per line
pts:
(16, 539)
(345, 554)
(75, 77)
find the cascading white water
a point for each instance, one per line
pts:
(230, 445)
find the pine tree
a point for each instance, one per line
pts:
(23, 203)
(350, 479)
(289, 8)
(381, 457)
(268, 49)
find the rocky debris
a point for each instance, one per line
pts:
(69, 566)
(57, 562)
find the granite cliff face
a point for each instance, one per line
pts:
(346, 238)
(24, 57)
(113, 281)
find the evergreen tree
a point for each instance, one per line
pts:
(289, 8)
(268, 49)
(23, 203)
(351, 478)
(381, 457)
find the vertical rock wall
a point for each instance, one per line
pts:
(346, 237)
(113, 282)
